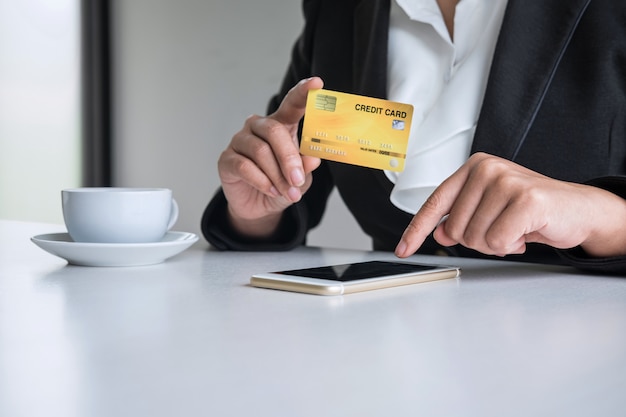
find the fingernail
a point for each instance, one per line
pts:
(274, 192)
(297, 177)
(294, 194)
(401, 248)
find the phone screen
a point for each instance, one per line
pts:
(356, 271)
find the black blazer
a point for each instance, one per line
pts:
(555, 103)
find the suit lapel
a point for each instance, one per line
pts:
(534, 36)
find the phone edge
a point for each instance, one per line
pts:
(335, 289)
(453, 272)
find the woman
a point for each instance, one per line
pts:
(536, 91)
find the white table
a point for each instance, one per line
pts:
(189, 337)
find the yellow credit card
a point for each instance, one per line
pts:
(356, 130)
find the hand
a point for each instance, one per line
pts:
(261, 171)
(496, 206)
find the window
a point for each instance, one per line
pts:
(40, 107)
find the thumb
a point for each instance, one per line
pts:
(292, 108)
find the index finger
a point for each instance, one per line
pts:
(431, 214)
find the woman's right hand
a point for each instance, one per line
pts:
(261, 171)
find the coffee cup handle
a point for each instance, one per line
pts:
(173, 214)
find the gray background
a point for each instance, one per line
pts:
(186, 74)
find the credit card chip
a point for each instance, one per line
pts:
(325, 102)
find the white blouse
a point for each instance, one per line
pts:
(445, 81)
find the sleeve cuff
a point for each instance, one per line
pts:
(217, 231)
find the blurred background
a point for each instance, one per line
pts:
(141, 93)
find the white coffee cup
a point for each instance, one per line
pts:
(117, 214)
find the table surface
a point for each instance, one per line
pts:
(190, 337)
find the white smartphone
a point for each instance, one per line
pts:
(354, 277)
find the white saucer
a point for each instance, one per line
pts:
(114, 254)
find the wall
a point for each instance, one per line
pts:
(186, 75)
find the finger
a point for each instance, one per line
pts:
(277, 154)
(292, 108)
(431, 213)
(258, 151)
(505, 213)
(267, 143)
(266, 176)
(279, 130)
(477, 207)
(518, 223)
(234, 167)
(453, 230)
(310, 163)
